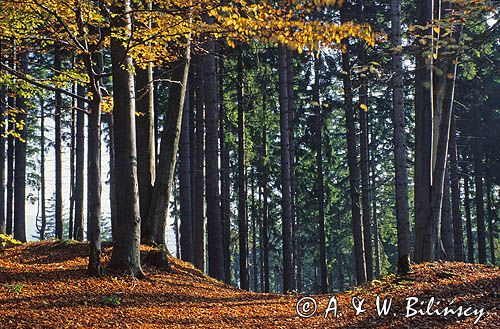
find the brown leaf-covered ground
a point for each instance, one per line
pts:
(44, 285)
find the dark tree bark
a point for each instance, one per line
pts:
(112, 187)
(424, 233)
(72, 156)
(146, 159)
(357, 228)
(477, 153)
(214, 227)
(399, 137)
(186, 218)
(458, 239)
(491, 225)
(225, 180)
(9, 220)
(169, 145)
(3, 111)
(286, 216)
(320, 193)
(126, 253)
(43, 218)
(447, 222)
(468, 217)
(265, 197)
(242, 192)
(199, 187)
(20, 162)
(58, 148)
(253, 217)
(79, 166)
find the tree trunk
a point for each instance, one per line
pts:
(242, 192)
(225, 180)
(254, 232)
(58, 148)
(477, 153)
(400, 156)
(9, 220)
(112, 187)
(3, 113)
(79, 166)
(169, 145)
(286, 215)
(72, 156)
(320, 193)
(446, 221)
(214, 227)
(265, 197)
(20, 163)
(186, 218)
(424, 233)
(126, 252)
(468, 217)
(43, 221)
(199, 186)
(146, 160)
(458, 239)
(357, 228)
(491, 227)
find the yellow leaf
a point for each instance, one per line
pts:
(363, 107)
(436, 29)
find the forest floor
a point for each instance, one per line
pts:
(45, 285)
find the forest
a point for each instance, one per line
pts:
(236, 157)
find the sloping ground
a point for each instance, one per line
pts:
(44, 285)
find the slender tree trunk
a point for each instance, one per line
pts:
(146, 159)
(20, 163)
(338, 253)
(126, 253)
(79, 166)
(491, 227)
(399, 137)
(357, 228)
(3, 112)
(112, 185)
(58, 148)
(43, 221)
(242, 193)
(424, 233)
(199, 188)
(458, 239)
(9, 220)
(225, 180)
(72, 157)
(468, 217)
(254, 232)
(186, 240)
(478, 179)
(265, 197)
(447, 222)
(286, 216)
(214, 227)
(320, 193)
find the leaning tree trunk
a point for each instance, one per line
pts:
(58, 148)
(286, 215)
(357, 229)
(242, 191)
(126, 252)
(320, 190)
(169, 145)
(399, 137)
(20, 163)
